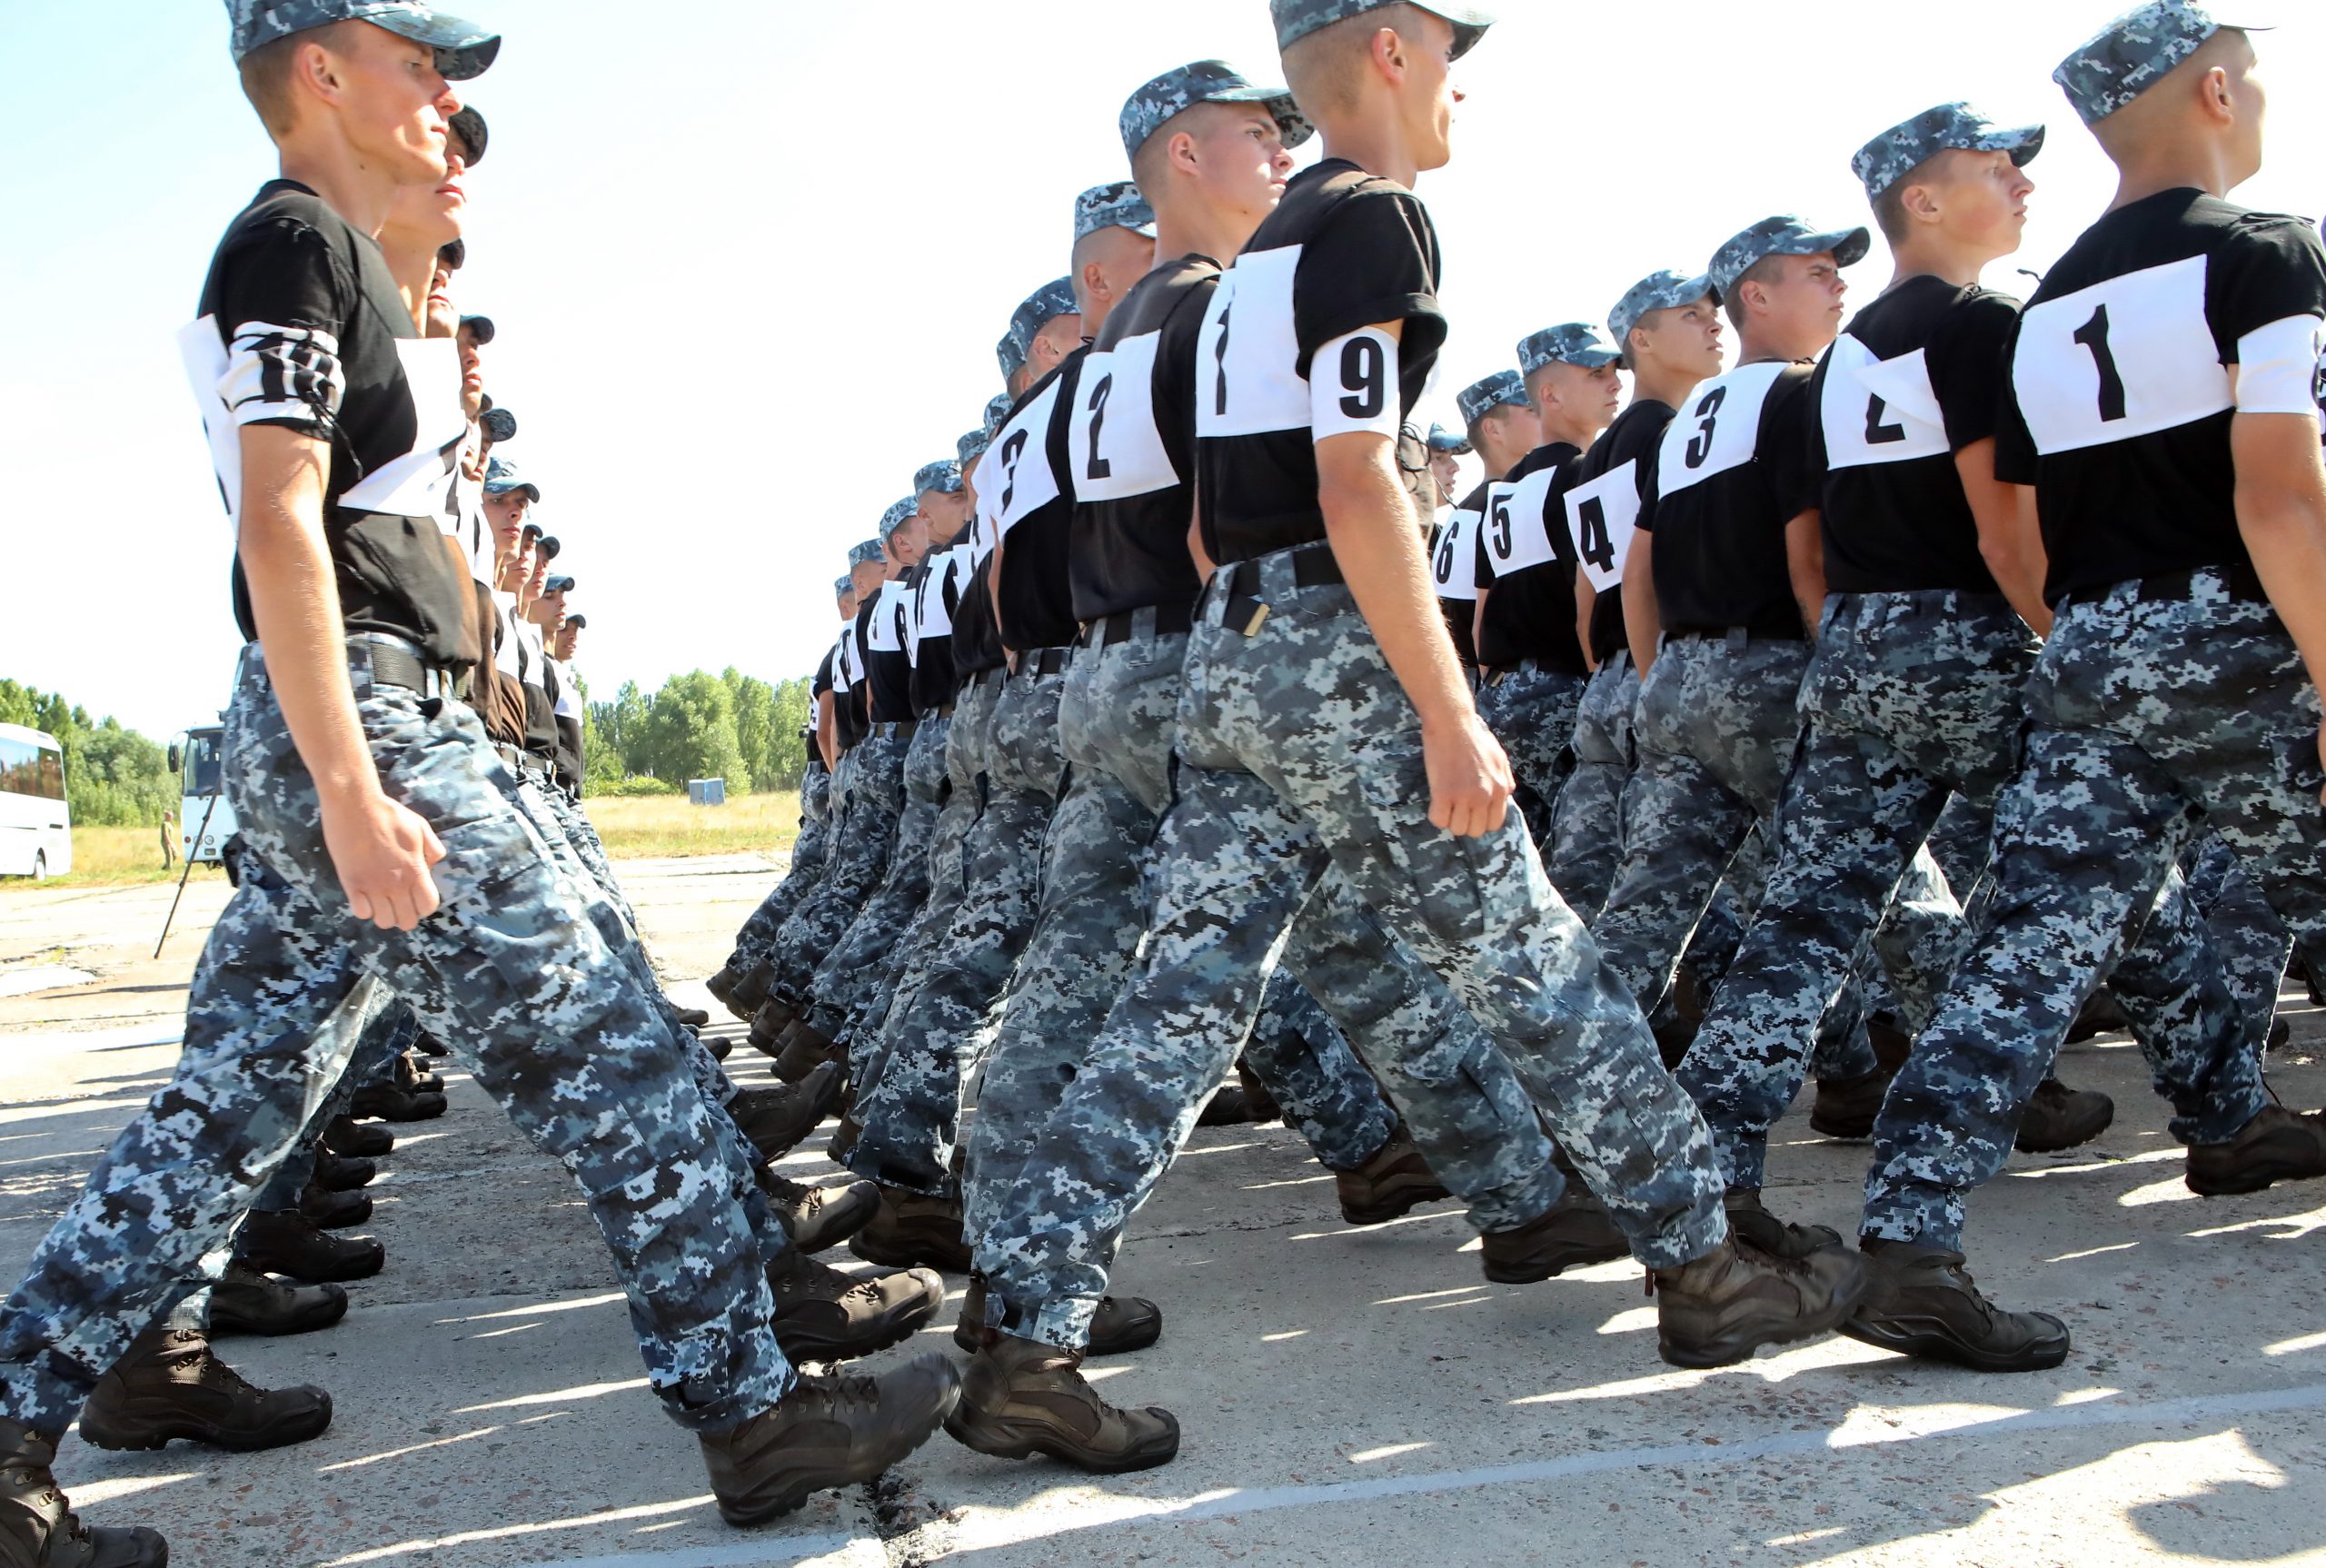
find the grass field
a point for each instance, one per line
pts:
(664, 825)
(655, 827)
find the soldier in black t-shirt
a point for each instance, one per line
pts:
(1502, 432)
(1666, 328)
(1326, 723)
(2162, 382)
(1531, 658)
(907, 1115)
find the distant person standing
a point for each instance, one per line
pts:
(169, 834)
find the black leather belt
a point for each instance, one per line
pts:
(998, 672)
(2244, 585)
(1313, 566)
(1728, 633)
(1170, 619)
(900, 729)
(1045, 661)
(395, 666)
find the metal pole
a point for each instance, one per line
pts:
(199, 833)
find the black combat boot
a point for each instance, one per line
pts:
(1571, 1233)
(914, 1229)
(38, 1528)
(1756, 1224)
(284, 1241)
(2059, 1117)
(1923, 1302)
(776, 1120)
(2277, 1144)
(1719, 1308)
(333, 1210)
(339, 1173)
(356, 1140)
(169, 1387)
(1395, 1180)
(245, 1301)
(823, 1315)
(390, 1103)
(1123, 1323)
(1021, 1397)
(827, 1431)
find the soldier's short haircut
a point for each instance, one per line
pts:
(1761, 272)
(1323, 69)
(1147, 165)
(266, 73)
(1890, 206)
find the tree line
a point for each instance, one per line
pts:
(728, 725)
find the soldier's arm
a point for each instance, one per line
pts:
(1642, 621)
(1479, 617)
(2011, 538)
(380, 849)
(1805, 563)
(2281, 512)
(1587, 601)
(1369, 521)
(828, 730)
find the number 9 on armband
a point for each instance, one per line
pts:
(1352, 386)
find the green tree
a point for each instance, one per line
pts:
(691, 732)
(114, 777)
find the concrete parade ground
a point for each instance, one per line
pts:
(1349, 1398)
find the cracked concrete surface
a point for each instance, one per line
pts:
(1349, 1398)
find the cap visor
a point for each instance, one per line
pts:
(1278, 101)
(1595, 359)
(465, 51)
(2023, 144)
(1849, 246)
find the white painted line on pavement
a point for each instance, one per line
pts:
(986, 1529)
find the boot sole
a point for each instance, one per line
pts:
(812, 1347)
(1010, 1440)
(1730, 1352)
(1504, 1275)
(1395, 1208)
(142, 1439)
(2062, 1146)
(346, 1220)
(354, 1269)
(2254, 1178)
(322, 1317)
(1929, 1347)
(789, 1497)
(1847, 1132)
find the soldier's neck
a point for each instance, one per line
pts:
(1374, 142)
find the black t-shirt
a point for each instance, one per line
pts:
(849, 678)
(1454, 552)
(1617, 473)
(815, 752)
(314, 336)
(1732, 471)
(1033, 512)
(2120, 406)
(935, 595)
(1344, 249)
(887, 630)
(541, 702)
(1530, 610)
(1131, 446)
(977, 640)
(1918, 376)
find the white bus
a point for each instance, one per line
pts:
(35, 826)
(206, 817)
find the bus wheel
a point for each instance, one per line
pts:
(40, 865)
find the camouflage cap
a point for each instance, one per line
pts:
(971, 447)
(577, 621)
(1043, 306)
(1296, 19)
(996, 408)
(1451, 443)
(2131, 54)
(500, 425)
(899, 514)
(1784, 236)
(559, 584)
(871, 553)
(1116, 204)
(463, 49)
(1907, 145)
(1656, 291)
(843, 587)
(479, 329)
(501, 478)
(452, 255)
(549, 547)
(470, 127)
(1175, 91)
(1567, 343)
(943, 476)
(1481, 396)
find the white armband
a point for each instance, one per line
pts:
(2276, 366)
(1352, 386)
(276, 372)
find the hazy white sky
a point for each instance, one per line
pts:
(749, 270)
